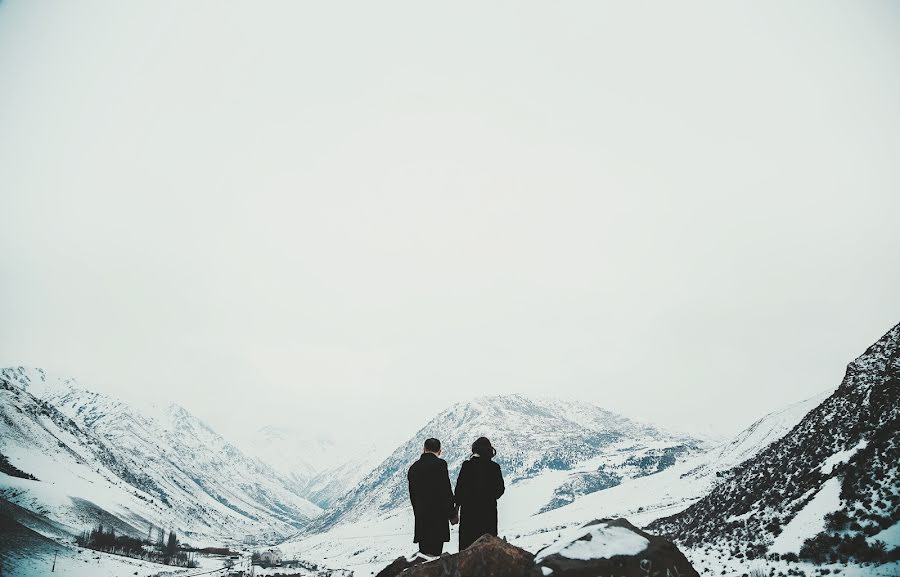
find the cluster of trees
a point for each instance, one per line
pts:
(12, 470)
(164, 550)
(105, 539)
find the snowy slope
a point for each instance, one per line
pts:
(647, 498)
(328, 485)
(97, 457)
(756, 437)
(289, 452)
(32, 546)
(834, 478)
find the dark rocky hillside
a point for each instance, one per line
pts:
(850, 441)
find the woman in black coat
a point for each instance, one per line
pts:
(479, 485)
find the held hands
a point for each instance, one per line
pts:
(454, 517)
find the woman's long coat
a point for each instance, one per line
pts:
(432, 499)
(479, 485)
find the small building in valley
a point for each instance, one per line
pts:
(270, 557)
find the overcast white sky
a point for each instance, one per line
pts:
(344, 216)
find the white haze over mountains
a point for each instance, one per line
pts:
(344, 218)
(564, 464)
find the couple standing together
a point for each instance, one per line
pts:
(473, 505)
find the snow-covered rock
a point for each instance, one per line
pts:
(597, 541)
(611, 547)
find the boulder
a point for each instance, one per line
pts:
(486, 557)
(611, 548)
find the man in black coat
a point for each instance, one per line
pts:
(432, 499)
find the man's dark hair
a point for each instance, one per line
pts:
(432, 445)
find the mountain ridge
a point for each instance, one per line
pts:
(169, 469)
(531, 435)
(832, 479)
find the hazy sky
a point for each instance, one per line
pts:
(344, 216)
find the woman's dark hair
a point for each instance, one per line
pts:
(483, 447)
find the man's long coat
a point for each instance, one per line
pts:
(432, 498)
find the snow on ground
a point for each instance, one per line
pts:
(364, 547)
(639, 500)
(77, 562)
(526, 497)
(604, 542)
(841, 457)
(58, 500)
(285, 570)
(720, 564)
(890, 536)
(810, 521)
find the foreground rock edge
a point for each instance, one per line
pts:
(490, 556)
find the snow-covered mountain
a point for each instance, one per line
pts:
(648, 498)
(833, 479)
(94, 457)
(320, 468)
(555, 450)
(749, 442)
(289, 452)
(328, 485)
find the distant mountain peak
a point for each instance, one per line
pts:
(36, 380)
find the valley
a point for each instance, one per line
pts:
(781, 495)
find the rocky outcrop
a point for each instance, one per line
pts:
(611, 547)
(488, 557)
(600, 548)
